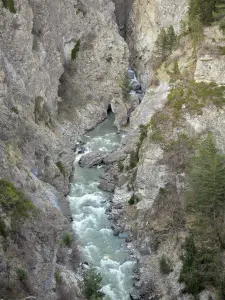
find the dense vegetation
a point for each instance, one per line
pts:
(61, 168)
(166, 42)
(202, 266)
(13, 204)
(202, 12)
(92, 285)
(9, 4)
(192, 97)
(205, 10)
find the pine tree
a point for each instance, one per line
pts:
(194, 21)
(166, 42)
(207, 8)
(161, 43)
(92, 285)
(206, 193)
(171, 39)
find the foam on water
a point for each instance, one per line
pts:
(98, 244)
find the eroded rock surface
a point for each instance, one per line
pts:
(91, 159)
(48, 98)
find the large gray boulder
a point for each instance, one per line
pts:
(130, 74)
(91, 159)
(114, 157)
(109, 179)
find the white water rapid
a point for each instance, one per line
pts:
(99, 246)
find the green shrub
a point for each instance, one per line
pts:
(61, 168)
(58, 277)
(92, 285)
(144, 132)
(75, 50)
(67, 239)
(120, 166)
(134, 156)
(193, 96)
(222, 26)
(165, 265)
(125, 86)
(9, 4)
(222, 50)
(21, 274)
(3, 230)
(133, 200)
(134, 159)
(15, 110)
(13, 201)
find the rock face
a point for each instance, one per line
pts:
(145, 20)
(210, 61)
(49, 95)
(157, 224)
(122, 9)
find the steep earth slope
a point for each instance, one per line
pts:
(61, 65)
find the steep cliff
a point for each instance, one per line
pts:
(61, 66)
(184, 100)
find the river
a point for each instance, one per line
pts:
(99, 247)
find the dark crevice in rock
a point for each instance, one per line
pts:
(122, 10)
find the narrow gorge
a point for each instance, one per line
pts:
(112, 130)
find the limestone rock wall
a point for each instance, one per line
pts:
(145, 20)
(47, 100)
(157, 223)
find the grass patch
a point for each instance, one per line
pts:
(222, 50)
(3, 230)
(165, 265)
(58, 277)
(67, 239)
(15, 110)
(222, 26)
(9, 4)
(13, 202)
(192, 97)
(120, 166)
(75, 50)
(21, 274)
(61, 168)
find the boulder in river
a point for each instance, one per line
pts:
(130, 74)
(135, 85)
(114, 156)
(91, 159)
(109, 179)
(107, 186)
